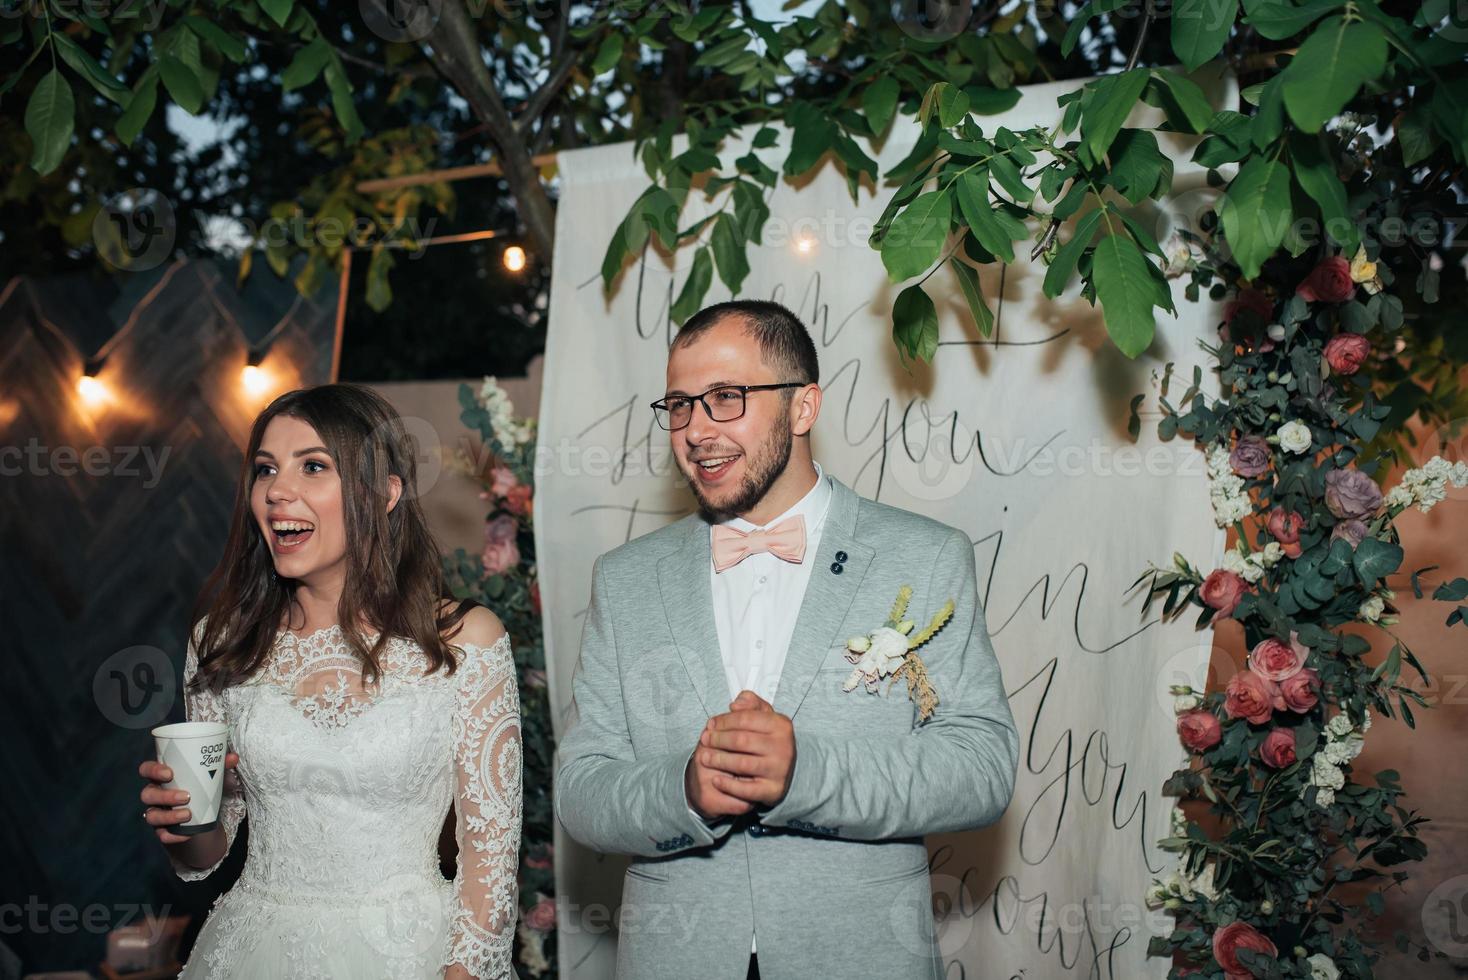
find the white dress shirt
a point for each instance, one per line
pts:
(757, 601)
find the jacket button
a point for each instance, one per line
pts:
(836, 567)
(840, 556)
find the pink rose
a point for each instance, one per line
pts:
(1278, 749)
(1250, 456)
(1328, 282)
(1274, 660)
(501, 553)
(1346, 352)
(542, 915)
(1285, 525)
(1299, 691)
(503, 481)
(1250, 696)
(1199, 730)
(1352, 530)
(1222, 590)
(1234, 937)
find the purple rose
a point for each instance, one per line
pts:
(1250, 456)
(1351, 493)
(1353, 531)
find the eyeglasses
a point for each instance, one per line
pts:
(722, 404)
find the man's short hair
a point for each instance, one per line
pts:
(783, 340)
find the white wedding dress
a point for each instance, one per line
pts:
(346, 791)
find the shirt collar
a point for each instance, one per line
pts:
(812, 506)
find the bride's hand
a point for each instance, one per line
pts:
(163, 810)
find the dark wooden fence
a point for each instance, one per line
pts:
(112, 514)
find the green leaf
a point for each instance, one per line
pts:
(1375, 559)
(379, 293)
(1199, 28)
(1317, 176)
(973, 292)
(973, 203)
(729, 254)
(811, 136)
(879, 103)
(1009, 177)
(279, 10)
(616, 254)
(1077, 25)
(986, 101)
(1070, 253)
(1255, 212)
(307, 64)
(952, 106)
(1125, 290)
(1136, 164)
(916, 237)
(1329, 68)
(690, 297)
(1183, 101)
(1415, 136)
(139, 107)
(608, 53)
(224, 42)
(182, 84)
(85, 65)
(915, 323)
(1280, 19)
(49, 119)
(1111, 101)
(342, 102)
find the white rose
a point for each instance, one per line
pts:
(1322, 967)
(1252, 571)
(1273, 552)
(858, 644)
(1234, 562)
(1294, 436)
(1338, 753)
(1324, 797)
(1185, 702)
(1276, 331)
(1339, 725)
(1156, 895)
(1371, 609)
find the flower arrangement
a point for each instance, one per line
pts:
(891, 651)
(1271, 757)
(503, 577)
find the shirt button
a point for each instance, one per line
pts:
(762, 580)
(759, 644)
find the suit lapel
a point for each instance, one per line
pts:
(683, 581)
(828, 596)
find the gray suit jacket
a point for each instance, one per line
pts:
(834, 878)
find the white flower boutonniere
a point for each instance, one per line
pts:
(891, 651)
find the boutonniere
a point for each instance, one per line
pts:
(890, 650)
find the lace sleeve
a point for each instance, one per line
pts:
(205, 705)
(487, 807)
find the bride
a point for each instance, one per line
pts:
(362, 704)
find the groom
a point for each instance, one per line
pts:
(777, 813)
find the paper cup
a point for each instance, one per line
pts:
(195, 750)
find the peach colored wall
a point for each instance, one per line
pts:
(431, 409)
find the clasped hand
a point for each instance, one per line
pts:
(744, 759)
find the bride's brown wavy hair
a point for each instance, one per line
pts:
(394, 579)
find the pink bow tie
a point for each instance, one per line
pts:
(785, 540)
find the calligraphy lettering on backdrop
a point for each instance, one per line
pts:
(1020, 439)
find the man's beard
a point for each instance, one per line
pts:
(764, 469)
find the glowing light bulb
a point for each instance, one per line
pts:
(514, 258)
(255, 380)
(93, 391)
(805, 244)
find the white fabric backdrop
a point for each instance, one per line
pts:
(1019, 440)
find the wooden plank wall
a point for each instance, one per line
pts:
(100, 569)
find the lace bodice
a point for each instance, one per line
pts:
(346, 787)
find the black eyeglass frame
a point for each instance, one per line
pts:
(661, 405)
